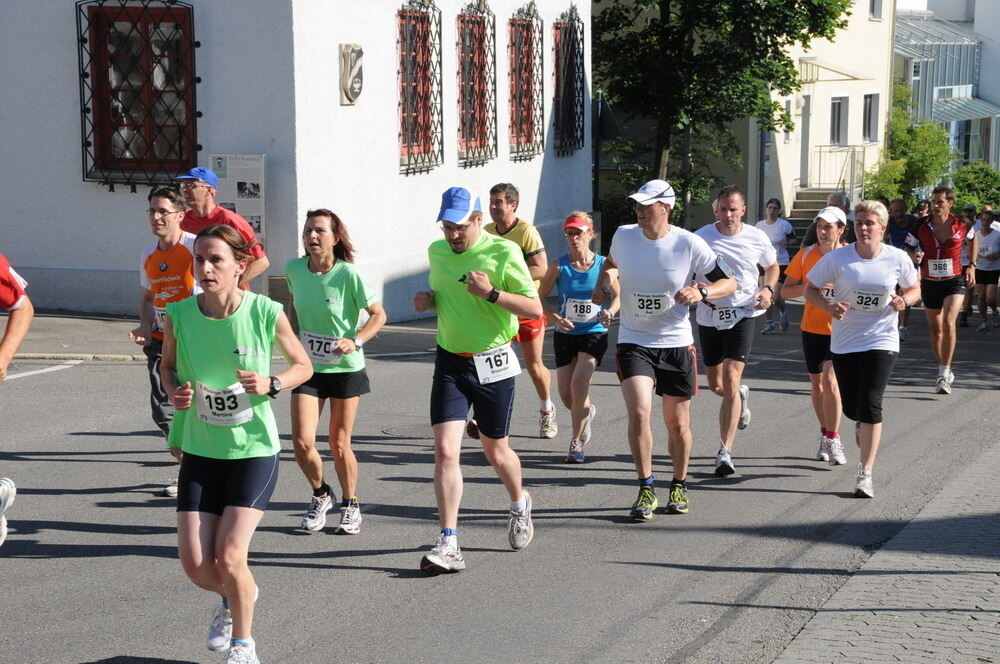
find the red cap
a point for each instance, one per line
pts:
(578, 222)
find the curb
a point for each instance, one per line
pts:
(89, 357)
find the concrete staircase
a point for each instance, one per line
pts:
(807, 203)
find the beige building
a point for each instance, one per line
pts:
(840, 117)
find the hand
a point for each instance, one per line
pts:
(604, 316)
(687, 296)
(602, 295)
(563, 324)
(970, 276)
(253, 382)
(918, 257)
(141, 335)
(182, 396)
(838, 309)
(345, 346)
(423, 301)
(178, 454)
(764, 299)
(897, 302)
(4, 362)
(478, 284)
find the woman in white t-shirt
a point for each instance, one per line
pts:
(864, 340)
(987, 269)
(779, 231)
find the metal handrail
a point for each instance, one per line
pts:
(840, 167)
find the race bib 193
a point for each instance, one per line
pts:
(496, 364)
(647, 306)
(581, 311)
(322, 349)
(939, 267)
(223, 407)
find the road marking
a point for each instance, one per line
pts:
(378, 356)
(774, 356)
(58, 367)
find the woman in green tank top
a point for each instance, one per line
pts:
(216, 367)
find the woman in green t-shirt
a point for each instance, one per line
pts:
(329, 295)
(216, 367)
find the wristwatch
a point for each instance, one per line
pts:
(275, 387)
(704, 293)
(768, 287)
(493, 296)
(358, 342)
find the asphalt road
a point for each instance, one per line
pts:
(89, 572)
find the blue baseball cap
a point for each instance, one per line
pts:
(457, 204)
(206, 175)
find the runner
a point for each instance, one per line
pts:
(581, 336)
(479, 284)
(816, 328)
(936, 246)
(199, 186)
(166, 274)
(901, 224)
(779, 231)
(20, 311)
(987, 270)
(727, 325)
(969, 216)
(329, 295)
(864, 338)
(216, 359)
(504, 201)
(655, 262)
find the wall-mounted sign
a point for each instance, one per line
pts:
(351, 74)
(242, 190)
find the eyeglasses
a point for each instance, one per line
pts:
(153, 212)
(192, 184)
(454, 228)
(572, 233)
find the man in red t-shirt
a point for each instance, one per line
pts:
(199, 186)
(936, 245)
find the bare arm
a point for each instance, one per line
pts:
(607, 290)
(766, 293)
(538, 264)
(525, 306)
(257, 267)
(18, 322)
(142, 334)
(792, 288)
(816, 299)
(376, 319)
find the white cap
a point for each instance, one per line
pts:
(654, 191)
(833, 214)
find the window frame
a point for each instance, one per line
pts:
(568, 73)
(475, 50)
(525, 78)
(101, 124)
(838, 120)
(420, 119)
(869, 117)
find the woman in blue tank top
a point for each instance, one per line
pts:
(581, 336)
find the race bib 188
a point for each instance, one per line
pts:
(581, 311)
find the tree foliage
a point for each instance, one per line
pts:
(977, 183)
(694, 66)
(918, 155)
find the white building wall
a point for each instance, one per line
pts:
(270, 72)
(987, 15)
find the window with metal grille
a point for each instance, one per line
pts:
(137, 90)
(477, 114)
(568, 103)
(419, 43)
(525, 78)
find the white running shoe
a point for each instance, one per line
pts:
(724, 463)
(8, 491)
(548, 427)
(585, 435)
(942, 386)
(837, 456)
(744, 408)
(444, 557)
(220, 632)
(863, 487)
(170, 490)
(824, 449)
(243, 653)
(315, 518)
(350, 520)
(520, 529)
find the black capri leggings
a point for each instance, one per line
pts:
(862, 379)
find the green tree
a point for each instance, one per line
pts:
(977, 183)
(694, 66)
(918, 154)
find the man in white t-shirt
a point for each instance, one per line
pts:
(654, 263)
(726, 326)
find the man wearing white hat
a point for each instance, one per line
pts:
(655, 263)
(479, 284)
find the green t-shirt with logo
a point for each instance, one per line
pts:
(470, 324)
(328, 306)
(221, 424)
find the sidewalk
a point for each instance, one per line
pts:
(930, 594)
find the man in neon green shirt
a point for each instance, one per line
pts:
(480, 285)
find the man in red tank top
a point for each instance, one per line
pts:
(936, 245)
